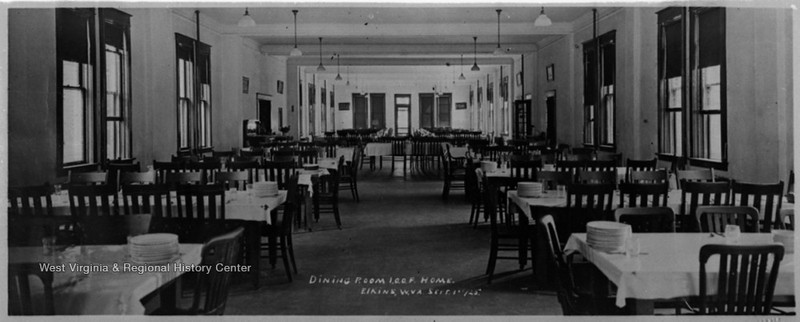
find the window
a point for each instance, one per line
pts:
(194, 93)
(692, 106)
(94, 116)
(599, 108)
(377, 110)
(445, 106)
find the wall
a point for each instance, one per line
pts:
(32, 87)
(759, 92)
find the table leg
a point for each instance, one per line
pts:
(307, 200)
(253, 236)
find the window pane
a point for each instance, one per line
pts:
(710, 88)
(71, 74)
(73, 126)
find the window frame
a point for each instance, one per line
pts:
(592, 124)
(691, 109)
(199, 117)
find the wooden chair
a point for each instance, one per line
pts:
(454, 174)
(553, 179)
(280, 232)
(597, 177)
(126, 178)
(87, 178)
(643, 194)
(745, 272)
(326, 195)
(162, 169)
(511, 239)
(639, 165)
(348, 178)
(647, 219)
(767, 198)
(598, 165)
(713, 219)
(147, 199)
(525, 169)
(696, 194)
(571, 167)
(278, 171)
(595, 196)
(251, 167)
(207, 169)
(787, 217)
(30, 201)
(307, 157)
(647, 176)
(478, 203)
(232, 179)
(705, 175)
(20, 298)
(95, 230)
(201, 201)
(223, 251)
(114, 171)
(183, 178)
(93, 200)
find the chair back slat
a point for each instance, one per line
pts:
(767, 198)
(201, 201)
(595, 196)
(647, 219)
(147, 199)
(715, 218)
(93, 200)
(31, 200)
(643, 194)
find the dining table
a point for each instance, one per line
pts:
(241, 208)
(667, 266)
(89, 285)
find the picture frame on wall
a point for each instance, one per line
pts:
(344, 106)
(245, 85)
(461, 106)
(280, 87)
(550, 70)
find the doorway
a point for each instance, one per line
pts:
(550, 103)
(360, 120)
(426, 110)
(402, 114)
(265, 114)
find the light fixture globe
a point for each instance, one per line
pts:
(475, 67)
(320, 68)
(246, 20)
(295, 51)
(542, 20)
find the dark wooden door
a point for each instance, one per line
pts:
(360, 112)
(551, 116)
(265, 115)
(522, 119)
(377, 102)
(426, 110)
(445, 109)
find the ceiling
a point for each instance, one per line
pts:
(395, 29)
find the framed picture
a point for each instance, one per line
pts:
(344, 106)
(280, 87)
(550, 70)
(245, 85)
(519, 78)
(461, 106)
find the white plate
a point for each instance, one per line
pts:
(154, 239)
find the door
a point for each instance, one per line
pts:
(445, 109)
(550, 102)
(377, 110)
(360, 112)
(402, 114)
(426, 110)
(265, 115)
(522, 119)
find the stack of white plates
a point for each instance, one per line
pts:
(529, 189)
(607, 236)
(488, 166)
(154, 248)
(785, 237)
(265, 189)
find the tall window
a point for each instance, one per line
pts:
(599, 109)
(94, 92)
(194, 93)
(444, 102)
(692, 87)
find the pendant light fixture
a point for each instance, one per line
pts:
(348, 75)
(542, 20)
(295, 51)
(338, 75)
(246, 20)
(498, 50)
(461, 77)
(475, 67)
(320, 68)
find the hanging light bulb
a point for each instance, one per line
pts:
(498, 50)
(475, 67)
(461, 77)
(338, 75)
(542, 20)
(246, 20)
(295, 51)
(320, 68)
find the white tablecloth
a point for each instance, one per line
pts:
(376, 149)
(669, 265)
(550, 199)
(100, 293)
(347, 152)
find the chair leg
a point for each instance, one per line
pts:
(291, 252)
(285, 258)
(446, 189)
(355, 188)
(336, 216)
(492, 260)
